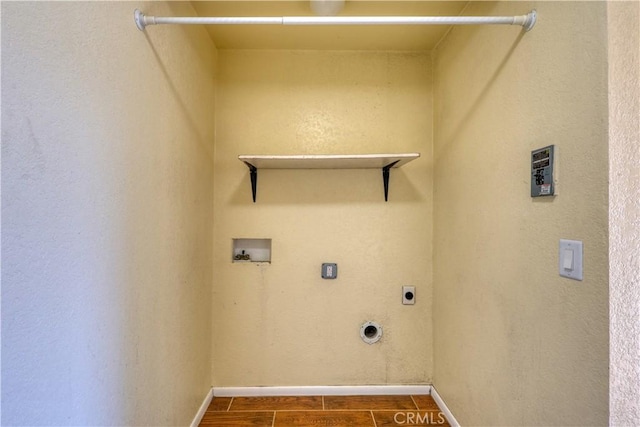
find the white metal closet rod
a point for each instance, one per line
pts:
(527, 21)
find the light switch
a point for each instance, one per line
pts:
(567, 263)
(570, 259)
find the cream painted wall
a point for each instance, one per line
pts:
(624, 211)
(280, 323)
(514, 343)
(106, 215)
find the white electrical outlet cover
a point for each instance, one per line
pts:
(408, 295)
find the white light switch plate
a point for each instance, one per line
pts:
(570, 259)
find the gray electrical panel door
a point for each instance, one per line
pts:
(542, 172)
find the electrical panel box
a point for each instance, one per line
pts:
(329, 270)
(542, 180)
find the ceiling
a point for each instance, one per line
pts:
(333, 37)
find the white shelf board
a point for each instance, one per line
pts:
(328, 161)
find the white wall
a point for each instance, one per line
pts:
(515, 343)
(624, 211)
(106, 215)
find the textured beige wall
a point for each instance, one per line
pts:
(106, 215)
(624, 211)
(281, 324)
(514, 343)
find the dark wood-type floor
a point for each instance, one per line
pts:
(334, 411)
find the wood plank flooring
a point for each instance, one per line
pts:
(313, 411)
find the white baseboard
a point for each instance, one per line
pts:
(203, 409)
(443, 407)
(322, 390)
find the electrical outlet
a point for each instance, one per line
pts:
(329, 270)
(408, 295)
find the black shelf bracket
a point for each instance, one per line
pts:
(254, 179)
(385, 179)
(253, 171)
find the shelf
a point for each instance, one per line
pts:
(327, 161)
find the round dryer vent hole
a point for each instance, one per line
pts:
(371, 332)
